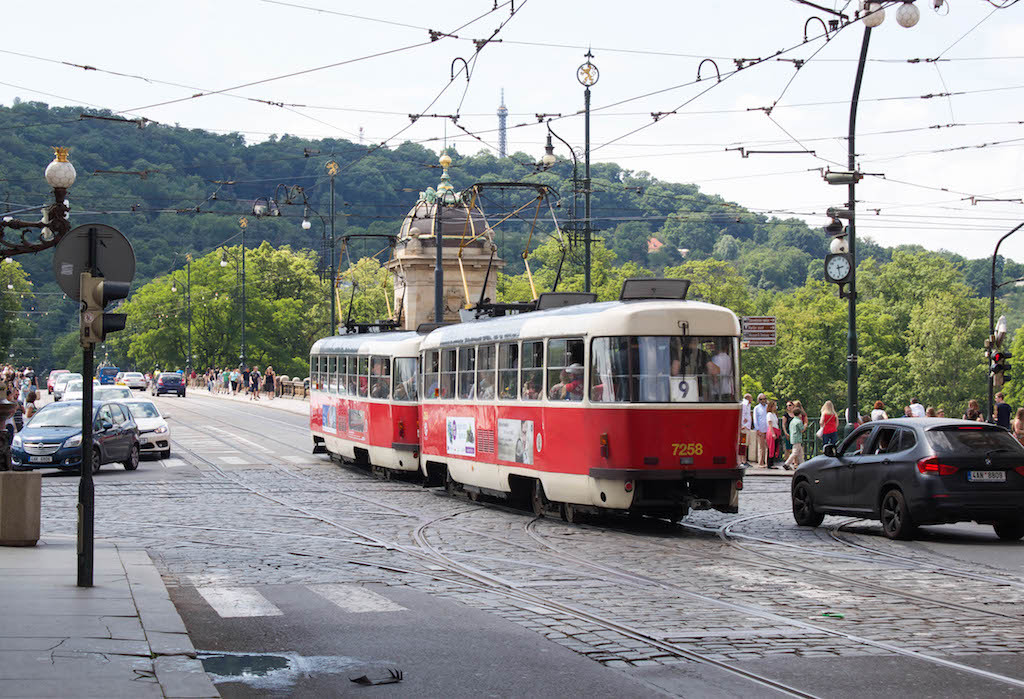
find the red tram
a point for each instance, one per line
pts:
(628, 406)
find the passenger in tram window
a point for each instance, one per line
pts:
(720, 369)
(486, 388)
(574, 389)
(378, 383)
(557, 392)
(531, 387)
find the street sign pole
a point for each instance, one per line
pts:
(86, 489)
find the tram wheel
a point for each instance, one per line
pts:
(539, 501)
(449, 484)
(473, 495)
(571, 514)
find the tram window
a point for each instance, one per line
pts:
(485, 372)
(565, 369)
(467, 372)
(508, 371)
(406, 370)
(380, 377)
(332, 374)
(663, 369)
(321, 372)
(448, 374)
(609, 370)
(430, 381)
(533, 370)
(361, 379)
(313, 373)
(342, 376)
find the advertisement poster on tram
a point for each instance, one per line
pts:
(461, 436)
(515, 441)
(356, 420)
(327, 418)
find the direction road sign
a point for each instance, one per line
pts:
(115, 258)
(758, 331)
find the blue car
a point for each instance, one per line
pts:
(53, 437)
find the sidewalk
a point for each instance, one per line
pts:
(770, 472)
(291, 405)
(121, 638)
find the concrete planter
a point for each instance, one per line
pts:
(20, 508)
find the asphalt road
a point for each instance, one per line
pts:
(295, 574)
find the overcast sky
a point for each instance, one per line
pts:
(919, 196)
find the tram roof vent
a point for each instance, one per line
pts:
(645, 289)
(427, 328)
(561, 299)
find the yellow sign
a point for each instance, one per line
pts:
(332, 168)
(243, 222)
(687, 449)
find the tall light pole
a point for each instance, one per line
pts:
(990, 344)
(873, 14)
(588, 75)
(332, 170)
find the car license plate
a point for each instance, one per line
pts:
(40, 459)
(986, 476)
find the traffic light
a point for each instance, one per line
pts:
(999, 367)
(95, 294)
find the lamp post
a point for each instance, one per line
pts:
(188, 308)
(873, 14)
(332, 170)
(588, 75)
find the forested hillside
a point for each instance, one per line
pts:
(177, 191)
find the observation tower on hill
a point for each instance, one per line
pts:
(502, 126)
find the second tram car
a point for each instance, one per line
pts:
(364, 400)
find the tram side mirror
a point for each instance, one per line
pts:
(829, 450)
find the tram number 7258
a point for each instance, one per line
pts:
(687, 449)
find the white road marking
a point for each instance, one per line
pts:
(355, 599)
(233, 602)
(311, 459)
(236, 460)
(172, 463)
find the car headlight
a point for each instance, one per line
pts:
(73, 441)
(16, 442)
(161, 430)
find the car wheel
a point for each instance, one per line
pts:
(896, 521)
(1009, 531)
(803, 506)
(97, 460)
(133, 459)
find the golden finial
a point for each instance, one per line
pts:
(445, 161)
(61, 153)
(243, 222)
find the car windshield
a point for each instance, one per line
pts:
(112, 393)
(74, 386)
(961, 440)
(67, 378)
(58, 415)
(172, 378)
(133, 375)
(143, 410)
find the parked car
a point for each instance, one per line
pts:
(154, 433)
(52, 378)
(134, 379)
(53, 438)
(913, 471)
(168, 382)
(61, 383)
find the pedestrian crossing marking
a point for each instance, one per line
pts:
(172, 463)
(236, 460)
(237, 602)
(355, 598)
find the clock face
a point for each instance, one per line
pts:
(838, 268)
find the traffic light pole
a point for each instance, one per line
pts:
(992, 323)
(86, 489)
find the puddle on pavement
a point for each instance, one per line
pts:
(280, 671)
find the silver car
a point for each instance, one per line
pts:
(154, 434)
(61, 383)
(134, 380)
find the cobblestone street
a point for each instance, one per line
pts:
(235, 509)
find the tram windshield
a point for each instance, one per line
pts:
(406, 372)
(663, 369)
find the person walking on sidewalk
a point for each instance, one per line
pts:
(773, 434)
(829, 424)
(268, 382)
(879, 412)
(254, 383)
(748, 428)
(787, 417)
(761, 426)
(1001, 412)
(796, 435)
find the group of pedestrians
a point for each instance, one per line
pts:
(773, 438)
(22, 389)
(245, 380)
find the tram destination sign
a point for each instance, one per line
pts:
(758, 331)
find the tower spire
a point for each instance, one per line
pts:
(502, 130)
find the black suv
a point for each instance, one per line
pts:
(168, 382)
(912, 471)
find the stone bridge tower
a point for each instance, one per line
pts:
(467, 246)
